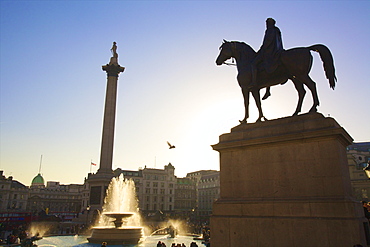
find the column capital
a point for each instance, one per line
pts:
(113, 69)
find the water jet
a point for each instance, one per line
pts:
(121, 205)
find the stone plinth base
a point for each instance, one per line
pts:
(116, 236)
(98, 184)
(286, 182)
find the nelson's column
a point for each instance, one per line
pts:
(99, 182)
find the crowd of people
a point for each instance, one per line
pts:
(12, 234)
(161, 244)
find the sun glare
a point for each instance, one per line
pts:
(209, 123)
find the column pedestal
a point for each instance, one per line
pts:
(286, 182)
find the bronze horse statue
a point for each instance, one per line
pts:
(295, 65)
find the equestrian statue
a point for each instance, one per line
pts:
(272, 65)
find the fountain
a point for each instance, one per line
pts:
(121, 205)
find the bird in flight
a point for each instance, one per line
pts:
(171, 146)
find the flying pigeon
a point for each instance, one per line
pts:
(171, 146)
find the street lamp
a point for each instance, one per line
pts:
(88, 211)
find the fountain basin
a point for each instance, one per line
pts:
(116, 236)
(118, 214)
(120, 217)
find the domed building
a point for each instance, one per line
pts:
(53, 198)
(38, 182)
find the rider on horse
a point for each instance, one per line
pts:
(269, 53)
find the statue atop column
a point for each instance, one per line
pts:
(114, 58)
(113, 68)
(114, 50)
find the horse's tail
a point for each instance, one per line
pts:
(328, 62)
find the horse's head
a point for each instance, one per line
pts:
(238, 50)
(226, 52)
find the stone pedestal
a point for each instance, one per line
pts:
(286, 182)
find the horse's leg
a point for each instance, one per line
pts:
(246, 105)
(301, 93)
(256, 96)
(312, 86)
(267, 93)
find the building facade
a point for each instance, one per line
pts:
(185, 197)
(63, 201)
(13, 195)
(207, 191)
(358, 155)
(155, 188)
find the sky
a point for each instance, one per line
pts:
(52, 87)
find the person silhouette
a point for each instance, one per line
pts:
(269, 52)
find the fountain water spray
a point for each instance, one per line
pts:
(40, 228)
(120, 198)
(121, 205)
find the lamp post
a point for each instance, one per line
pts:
(87, 217)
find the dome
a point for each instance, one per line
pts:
(38, 181)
